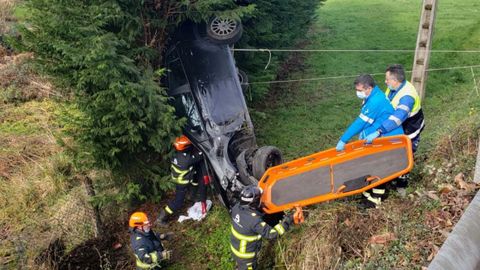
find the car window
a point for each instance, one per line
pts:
(185, 107)
(176, 74)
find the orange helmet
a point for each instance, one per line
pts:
(181, 143)
(138, 219)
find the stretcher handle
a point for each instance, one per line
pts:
(298, 216)
(373, 177)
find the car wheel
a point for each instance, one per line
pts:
(243, 78)
(264, 158)
(224, 30)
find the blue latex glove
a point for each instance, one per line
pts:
(340, 146)
(372, 136)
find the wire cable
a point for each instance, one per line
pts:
(354, 76)
(350, 50)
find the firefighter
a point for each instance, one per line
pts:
(248, 228)
(187, 168)
(147, 245)
(408, 111)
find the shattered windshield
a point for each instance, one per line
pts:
(185, 107)
(213, 74)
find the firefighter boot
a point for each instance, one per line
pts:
(373, 198)
(368, 201)
(402, 181)
(162, 218)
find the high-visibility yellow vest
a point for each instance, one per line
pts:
(407, 90)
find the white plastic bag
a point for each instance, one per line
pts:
(195, 212)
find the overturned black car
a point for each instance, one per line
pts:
(205, 88)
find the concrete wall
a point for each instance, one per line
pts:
(461, 250)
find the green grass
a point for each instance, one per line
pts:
(206, 245)
(20, 12)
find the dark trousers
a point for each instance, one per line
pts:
(415, 142)
(246, 264)
(177, 202)
(402, 181)
(198, 188)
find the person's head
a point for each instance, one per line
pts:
(394, 76)
(250, 196)
(139, 220)
(182, 143)
(364, 85)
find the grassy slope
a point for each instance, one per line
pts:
(36, 186)
(318, 112)
(311, 116)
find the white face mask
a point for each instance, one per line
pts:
(361, 95)
(146, 229)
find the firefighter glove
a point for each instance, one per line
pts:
(372, 136)
(166, 255)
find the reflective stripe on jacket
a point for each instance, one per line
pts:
(415, 122)
(407, 90)
(248, 228)
(182, 165)
(375, 109)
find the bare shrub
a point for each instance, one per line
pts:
(6, 15)
(19, 83)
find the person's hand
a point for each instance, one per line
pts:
(166, 255)
(298, 216)
(340, 146)
(372, 136)
(167, 236)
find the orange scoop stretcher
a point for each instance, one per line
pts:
(330, 175)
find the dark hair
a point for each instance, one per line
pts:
(366, 80)
(397, 71)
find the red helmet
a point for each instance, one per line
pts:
(181, 143)
(138, 219)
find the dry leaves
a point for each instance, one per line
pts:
(446, 189)
(434, 252)
(382, 238)
(460, 181)
(431, 194)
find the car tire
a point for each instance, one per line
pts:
(223, 30)
(243, 78)
(264, 158)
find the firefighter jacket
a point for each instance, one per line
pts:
(147, 248)
(408, 110)
(248, 228)
(375, 110)
(182, 165)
